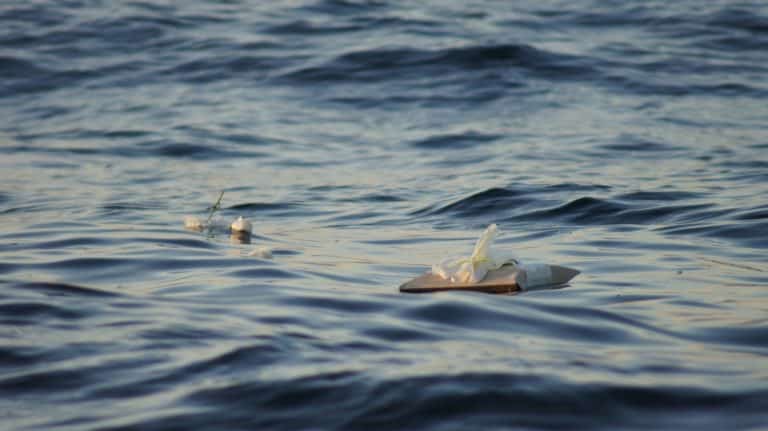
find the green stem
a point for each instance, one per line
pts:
(215, 208)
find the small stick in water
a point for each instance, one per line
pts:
(214, 208)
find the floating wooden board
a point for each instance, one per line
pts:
(506, 279)
(500, 281)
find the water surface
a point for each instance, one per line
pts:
(367, 140)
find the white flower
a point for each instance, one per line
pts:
(474, 268)
(241, 225)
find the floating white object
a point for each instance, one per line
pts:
(241, 225)
(261, 252)
(507, 279)
(193, 223)
(538, 274)
(542, 275)
(488, 271)
(474, 268)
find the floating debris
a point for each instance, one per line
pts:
(214, 208)
(241, 225)
(193, 223)
(239, 230)
(488, 271)
(475, 267)
(261, 252)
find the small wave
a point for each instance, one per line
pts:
(634, 208)
(7, 268)
(456, 312)
(17, 68)
(675, 66)
(400, 334)
(264, 273)
(262, 353)
(489, 400)
(658, 214)
(126, 32)
(646, 86)
(43, 382)
(159, 148)
(189, 243)
(57, 244)
(208, 70)
(408, 63)
(120, 207)
(367, 215)
(332, 304)
(638, 144)
(454, 141)
(746, 335)
(489, 201)
(344, 7)
(84, 134)
(746, 233)
(469, 96)
(754, 214)
(660, 196)
(63, 288)
(585, 209)
(265, 206)
(746, 164)
(595, 211)
(308, 28)
(198, 151)
(734, 42)
(38, 14)
(402, 23)
(18, 356)
(741, 19)
(626, 16)
(28, 313)
(27, 77)
(375, 198)
(229, 137)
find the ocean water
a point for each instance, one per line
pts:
(367, 140)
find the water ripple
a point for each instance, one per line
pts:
(367, 140)
(388, 64)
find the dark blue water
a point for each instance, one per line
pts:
(367, 140)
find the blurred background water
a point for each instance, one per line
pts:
(367, 140)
